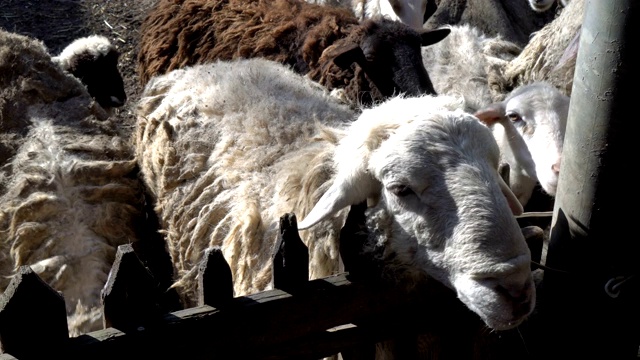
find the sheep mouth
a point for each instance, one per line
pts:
(496, 307)
(506, 317)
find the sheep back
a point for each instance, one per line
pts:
(214, 159)
(181, 33)
(540, 58)
(370, 61)
(459, 64)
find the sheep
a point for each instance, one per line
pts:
(361, 62)
(514, 21)
(94, 60)
(533, 121)
(226, 148)
(529, 124)
(69, 187)
(549, 56)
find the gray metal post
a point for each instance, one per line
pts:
(593, 312)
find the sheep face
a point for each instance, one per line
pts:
(102, 78)
(538, 112)
(410, 12)
(94, 61)
(390, 54)
(446, 211)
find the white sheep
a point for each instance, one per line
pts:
(410, 12)
(94, 60)
(226, 148)
(532, 118)
(69, 192)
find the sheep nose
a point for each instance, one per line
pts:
(556, 167)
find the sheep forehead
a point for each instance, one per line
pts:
(540, 104)
(442, 142)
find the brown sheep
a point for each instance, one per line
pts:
(369, 61)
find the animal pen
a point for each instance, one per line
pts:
(587, 302)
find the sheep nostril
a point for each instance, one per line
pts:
(556, 167)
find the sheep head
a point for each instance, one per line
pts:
(94, 61)
(389, 54)
(433, 171)
(533, 120)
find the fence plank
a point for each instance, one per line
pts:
(291, 262)
(353, 239)
(129, 296)
(252, 325)
(215, 283)
(33, 317)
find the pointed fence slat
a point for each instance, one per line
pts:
(33, 317)
(215, 283)
(129, 296)
(291, 262)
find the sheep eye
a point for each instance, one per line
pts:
(400, 190)
(369, 56)
(513, 116)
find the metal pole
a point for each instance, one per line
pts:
(593, 311)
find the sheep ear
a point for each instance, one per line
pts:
(347, 55)
(512, 200)
(345, 191)
(490, 114)
(431, 37)
(334, 200)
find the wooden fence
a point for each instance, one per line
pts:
(299, 319)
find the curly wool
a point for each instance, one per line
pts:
(306, 37)
(70, 193)
(540, 59)
(212, 156)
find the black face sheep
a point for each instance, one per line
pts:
(513, 20)
(363, 62)
(94, 60)
(70, 193)
(226, 148)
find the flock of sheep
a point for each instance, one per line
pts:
(254, 109)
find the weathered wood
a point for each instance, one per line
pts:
(291, 262)
(215, 283)
(592, 236)
(353, 239)
(251, 325)
(33, 317)
(129, 296)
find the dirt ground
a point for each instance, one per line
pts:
(58, 22)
